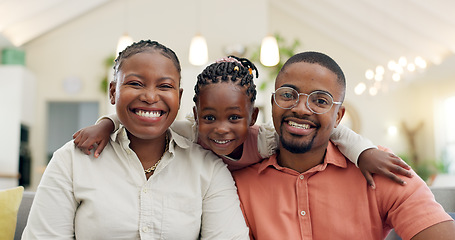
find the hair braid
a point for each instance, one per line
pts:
(239, 71)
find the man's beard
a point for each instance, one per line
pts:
(294, 147)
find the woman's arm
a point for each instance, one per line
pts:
(222, 217)
(54, 206)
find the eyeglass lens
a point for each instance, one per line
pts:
(317, 101)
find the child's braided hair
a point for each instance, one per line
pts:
(230, 69)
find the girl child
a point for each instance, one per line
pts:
(150, 183)
(224, 122)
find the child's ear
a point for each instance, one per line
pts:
(195, 113)
(112, 86)
(254, 116)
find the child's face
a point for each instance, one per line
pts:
(147, 94)
(224, 113)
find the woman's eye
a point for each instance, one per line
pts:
(166, 86)
(134, 83)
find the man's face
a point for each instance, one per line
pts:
(301, 130)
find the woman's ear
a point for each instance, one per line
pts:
(112, 86)
(254, 116)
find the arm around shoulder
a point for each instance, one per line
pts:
(441, 231)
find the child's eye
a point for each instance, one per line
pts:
(209, 118)
(235, 117)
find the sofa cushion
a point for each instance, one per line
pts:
(10, 200)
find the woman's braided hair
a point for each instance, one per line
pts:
(230, 69)
(145, 46)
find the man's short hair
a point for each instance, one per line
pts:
(321, 59)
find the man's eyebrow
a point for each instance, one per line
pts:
(289, 85)
(295, 88)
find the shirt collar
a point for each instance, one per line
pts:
(122, 137)
(333, 156)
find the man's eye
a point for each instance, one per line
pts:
(287, 95)
(321, 101)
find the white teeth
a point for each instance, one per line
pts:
(297, 125)
(152, 114)
(221, 141)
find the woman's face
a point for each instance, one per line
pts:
(146, 94)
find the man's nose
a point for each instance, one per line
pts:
(302, 107)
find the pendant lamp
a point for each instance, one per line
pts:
(270, 53)
(198, 51)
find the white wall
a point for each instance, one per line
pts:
(79, 48)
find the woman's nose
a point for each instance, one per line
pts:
(149, 96)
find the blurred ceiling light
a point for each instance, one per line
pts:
(373, 91)
(420, 62)
(380, 70)
(369, 74)
(391, 65)
(396, 77)
(124, 41)
(403, 61)
(198, 51)
(392, 130)
(411, 67)
(270, 53)
(360, 88)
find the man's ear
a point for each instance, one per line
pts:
(340, 115)
(254, 116)
(180, 96)
(112, 86)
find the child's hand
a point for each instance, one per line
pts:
(384, 163)
(95, 136)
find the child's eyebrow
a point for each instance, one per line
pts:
(213, 109)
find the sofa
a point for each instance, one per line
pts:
(22, 214)
(444, 195)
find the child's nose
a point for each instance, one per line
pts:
(221, 128)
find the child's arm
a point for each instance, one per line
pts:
(367, 157)
(96, 136)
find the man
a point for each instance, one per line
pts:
(309, 190)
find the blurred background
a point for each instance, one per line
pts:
(398, 58)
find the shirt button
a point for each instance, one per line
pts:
(301, 177)
(144, 190)
(145, 229)
(302, 213)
